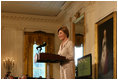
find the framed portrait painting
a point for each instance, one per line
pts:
(105, 41)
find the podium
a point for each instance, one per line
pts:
(50, 58)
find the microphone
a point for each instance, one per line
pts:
(40, 46)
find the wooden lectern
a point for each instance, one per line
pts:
(50, 58)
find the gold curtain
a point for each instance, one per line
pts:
(38, 37)
(50, 50)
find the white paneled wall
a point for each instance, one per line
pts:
(12, 46)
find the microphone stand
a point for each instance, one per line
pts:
(39, 53)
(48, 65)
(40, 50)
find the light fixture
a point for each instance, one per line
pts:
(8, 64)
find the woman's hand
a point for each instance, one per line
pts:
(64, 62)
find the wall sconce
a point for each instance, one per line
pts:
(8, 63)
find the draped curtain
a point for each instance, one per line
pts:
(38, 37)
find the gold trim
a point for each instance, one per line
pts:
(73, 34)
(73, 31)
(84, 33)
(46, 64)
(114, 46)
(112, 15)
(73, 40)
(96, 50)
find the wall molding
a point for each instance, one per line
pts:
(17, 16)
(5, 26)
(27, 17)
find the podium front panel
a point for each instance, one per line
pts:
(51, 58)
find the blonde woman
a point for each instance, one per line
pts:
(67, 50)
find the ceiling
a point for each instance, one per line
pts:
(42, 8)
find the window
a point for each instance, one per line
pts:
(39, 69)
(78, 53)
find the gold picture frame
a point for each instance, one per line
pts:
(105, 37)
(73, 30)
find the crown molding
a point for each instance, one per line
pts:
(64, 9)
(27, 17)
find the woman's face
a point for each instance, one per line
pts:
(61, 35)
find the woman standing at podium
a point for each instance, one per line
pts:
(67, 50)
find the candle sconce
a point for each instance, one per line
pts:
(8, 64)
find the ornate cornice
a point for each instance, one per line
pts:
(27, 17)
(65, 10)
